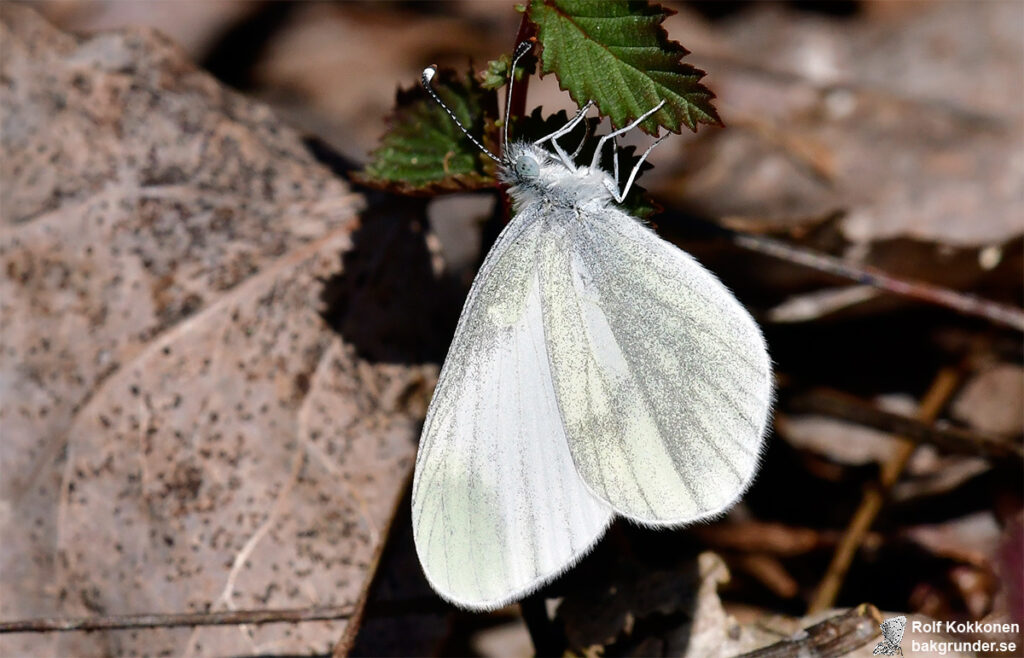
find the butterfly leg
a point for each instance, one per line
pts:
(586, 134)
(636, 168)
(615, 161)
(620, 196)
(565, 130)
(562, 155)
(616, 133)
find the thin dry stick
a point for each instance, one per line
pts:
(225, 618)
(770, 572)
(935, 399)
(836, 636)
(865, 274)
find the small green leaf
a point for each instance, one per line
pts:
(616, 53)
(423, 151)
(495, 76)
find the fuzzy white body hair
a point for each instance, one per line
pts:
(575, 187)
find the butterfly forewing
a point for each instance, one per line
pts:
(498, 508)
(662, 378)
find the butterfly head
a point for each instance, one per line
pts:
(534, 174)
(524, 164)
(526, 167)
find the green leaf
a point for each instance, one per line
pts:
(423, 151)
(616, 53)
(495, 76)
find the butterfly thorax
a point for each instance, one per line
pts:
(536, 176)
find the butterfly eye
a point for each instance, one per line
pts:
(527, 167)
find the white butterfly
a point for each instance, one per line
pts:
(892, 635)
(596, 370)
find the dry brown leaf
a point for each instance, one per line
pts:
(761, 537)
(374, 50)
(972, 539)
(193, 24)
(993, 400)
(911, 125)
(181, 428)
(841, 441)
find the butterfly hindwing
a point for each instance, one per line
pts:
(662, 377)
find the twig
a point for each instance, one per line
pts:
(967, 304)
(770, 538)
(935, 399)
(836, 636)
(770, 572)
(224, 618)
(951, 440)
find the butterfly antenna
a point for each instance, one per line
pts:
(426, 78)
(521, 50)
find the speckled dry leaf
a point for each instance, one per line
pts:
(193, 24)
(181, 429)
